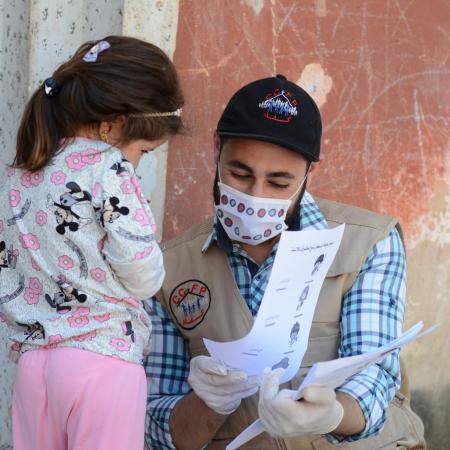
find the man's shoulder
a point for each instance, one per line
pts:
(337, 213)
(198, 232)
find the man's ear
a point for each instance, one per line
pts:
(314, 167)
(216, 140)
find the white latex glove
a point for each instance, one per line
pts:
(317, 413)
(220, 388)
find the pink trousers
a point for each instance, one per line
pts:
(71, 399)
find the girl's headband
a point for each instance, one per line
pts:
(157, 114)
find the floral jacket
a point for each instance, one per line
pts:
(78, 254)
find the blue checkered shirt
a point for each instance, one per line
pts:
(372, 314)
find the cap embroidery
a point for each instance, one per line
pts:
(280, 106)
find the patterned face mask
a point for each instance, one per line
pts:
(252, 220)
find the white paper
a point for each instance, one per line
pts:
(334, 373)
(279, 336)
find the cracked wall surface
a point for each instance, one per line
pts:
(380, 72)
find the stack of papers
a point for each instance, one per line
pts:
(280, 332)
(334, 373)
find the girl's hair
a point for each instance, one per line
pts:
(130, 77)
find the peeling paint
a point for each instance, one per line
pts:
(316, 82)
(256, 5)
(321, 8)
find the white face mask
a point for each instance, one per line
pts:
(249, 219)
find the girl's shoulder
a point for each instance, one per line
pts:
(81, 154)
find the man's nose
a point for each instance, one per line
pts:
(256, 188)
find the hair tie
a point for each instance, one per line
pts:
(158, 114)
(51, 87)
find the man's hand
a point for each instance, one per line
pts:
(317, 413)
(220, 388)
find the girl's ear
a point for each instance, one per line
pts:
(105, 127)
(113, 129)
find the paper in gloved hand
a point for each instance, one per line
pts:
(279, 336)
(334, 373)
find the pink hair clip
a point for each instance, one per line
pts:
(92, 54)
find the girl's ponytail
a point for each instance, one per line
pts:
(38, 135)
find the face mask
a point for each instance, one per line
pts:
(249, 219)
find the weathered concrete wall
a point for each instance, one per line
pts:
(14, 18)
(36, 36)
(380, 73)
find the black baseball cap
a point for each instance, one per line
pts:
(274, 110)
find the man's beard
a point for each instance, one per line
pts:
(293, 216)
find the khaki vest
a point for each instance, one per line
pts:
(217, 311)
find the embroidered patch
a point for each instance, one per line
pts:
(280, 106)
(189, 303)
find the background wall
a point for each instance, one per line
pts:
(36, 36)
(379, 71)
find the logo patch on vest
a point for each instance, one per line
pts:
(189, 303)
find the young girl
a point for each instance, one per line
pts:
(77, 246)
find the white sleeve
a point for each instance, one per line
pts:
(130, 245)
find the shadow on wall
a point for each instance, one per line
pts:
(435, 413)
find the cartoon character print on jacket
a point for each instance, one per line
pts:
(65, 216)
(67, 293)
(8, 258)
(33, 330)
(119, 168)
(127, 328)
(110, 211)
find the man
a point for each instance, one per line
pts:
(268, 140)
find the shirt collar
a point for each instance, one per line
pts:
(310, 217)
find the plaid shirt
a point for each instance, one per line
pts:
(372, 314)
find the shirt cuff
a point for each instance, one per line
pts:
(371, 404)
(157, 434)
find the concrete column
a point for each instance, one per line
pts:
(58, 28)
(36, 36)
(155, 22)
(14, 17)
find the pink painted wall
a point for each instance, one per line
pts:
(380, 73)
